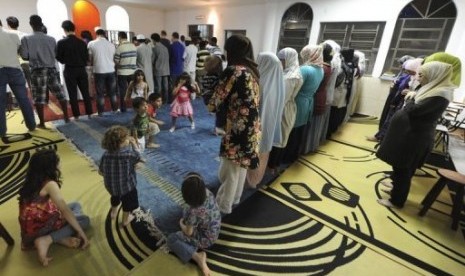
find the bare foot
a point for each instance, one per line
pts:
(114, 212)
(386, 184)
(372, 138)
(128, 220)
(152, 146)
(70, 242)
(42, 126)
(42, 245)
(201, 259)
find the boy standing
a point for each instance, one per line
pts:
(117, 166)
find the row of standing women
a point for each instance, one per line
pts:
(276, 110)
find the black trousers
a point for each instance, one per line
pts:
(401, 181)
(77, 77)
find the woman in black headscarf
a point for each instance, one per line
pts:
(238, 94)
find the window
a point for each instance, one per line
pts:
(204, 31)
(117, 19)
(229, 33)
(423, 28)
(295, 27)
(362, 36)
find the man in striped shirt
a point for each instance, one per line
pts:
(126, 64)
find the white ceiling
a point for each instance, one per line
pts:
(183, 4)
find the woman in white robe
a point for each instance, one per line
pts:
(271, 107)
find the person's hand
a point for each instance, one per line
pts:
(84, 241)
(404, 92)
(410, 95)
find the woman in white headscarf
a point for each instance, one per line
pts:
(271, 107)
(410, 135)
(312, 74)
(336, 63)
(292, 83)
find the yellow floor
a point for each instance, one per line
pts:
(350, 169)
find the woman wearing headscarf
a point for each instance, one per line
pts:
(449, 59)
(312, 74)
(405, 83)
(238, 93)
(336, 63)
(292, 83)
(314, 129)
(410, 136)
(401, 77)
(271, 109)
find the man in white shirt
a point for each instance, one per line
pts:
(101, 54)
(11, 74)
(190, 58)
(13, 24)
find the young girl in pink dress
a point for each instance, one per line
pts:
(181, 105)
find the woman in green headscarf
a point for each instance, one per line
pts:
(450, 59)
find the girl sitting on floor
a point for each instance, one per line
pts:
(44, 216)
(181, 105)
(200, 224)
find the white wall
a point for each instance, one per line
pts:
(262, 23)
(145, 21)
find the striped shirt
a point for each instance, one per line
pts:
(126, 58)
(118, 170)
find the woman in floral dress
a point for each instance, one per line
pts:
(238, 92)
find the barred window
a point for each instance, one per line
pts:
(362, 36)
(423, 28)
(295, 27)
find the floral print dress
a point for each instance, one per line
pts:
(238, 92)
(38, 217)
(206, 221)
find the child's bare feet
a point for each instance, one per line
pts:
(152, 146)
(201, 259)
(70, 242)
(42, 245)
(128, 220)
(114, 212)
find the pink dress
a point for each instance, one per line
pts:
(181, 105)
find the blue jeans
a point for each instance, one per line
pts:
(123, 82)
(180, 247)
(162, 84)
(14, 77)
(67, 230)
(105, 81)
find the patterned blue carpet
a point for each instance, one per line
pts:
(182, 151)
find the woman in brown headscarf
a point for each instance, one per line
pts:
(238, 94)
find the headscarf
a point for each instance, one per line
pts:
(239, 51)
(450, 59)
(439, 84)
(272, 94)
(336, 62)
(291, 60)
(413, 65)
(312, 55)
(403, 59)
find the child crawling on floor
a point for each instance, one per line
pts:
(200, 224)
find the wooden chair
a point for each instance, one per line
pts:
(5, 235)
(458, 181)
